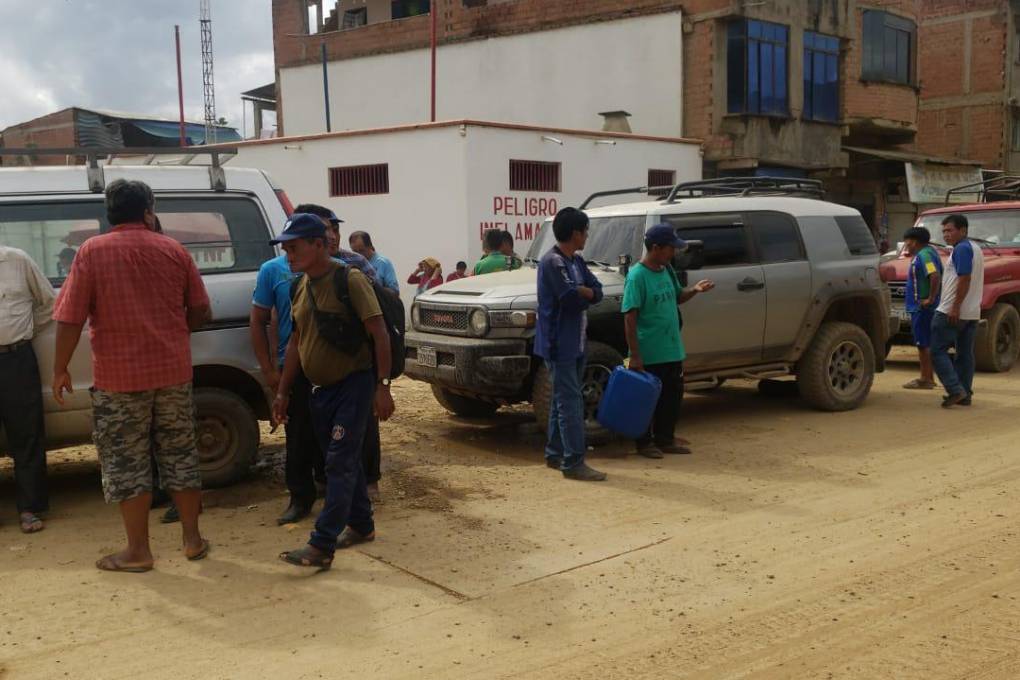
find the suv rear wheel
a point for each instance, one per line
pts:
(998, 344)
(227, 432)
(837, 370)
(601, 360)
(463, 406)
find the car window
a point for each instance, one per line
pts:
(608, 239)
(226, 234)
(50, 233)
(857, 235)
(724, 236)
(777, 237)
(221, 234)
(1000, 227)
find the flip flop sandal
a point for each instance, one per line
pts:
(31, 523)
(201, 554)
(350, 537)
(108, 563)
(301, 558)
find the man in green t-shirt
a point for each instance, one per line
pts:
(652, 323)
(500, 256)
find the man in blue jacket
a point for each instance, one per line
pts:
(566, 288)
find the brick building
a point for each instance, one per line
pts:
(970, 99)
(834, 89)
(78, 127)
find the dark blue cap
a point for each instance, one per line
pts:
(664, 235)
(333, 219)
(301, 225)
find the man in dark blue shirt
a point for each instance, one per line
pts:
(566, 288)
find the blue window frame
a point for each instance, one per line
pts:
(821, 77)
(889, 48)
(756, 62)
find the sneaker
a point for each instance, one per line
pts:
(583, 473)
(966, 401)
(554, 462)
(649, 451)
(171, 515)
(954, 399)
(676, 449)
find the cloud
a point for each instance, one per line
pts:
(119, 54)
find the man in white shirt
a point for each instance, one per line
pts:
(26, 303)
(957, 317)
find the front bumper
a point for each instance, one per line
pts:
(473, 366)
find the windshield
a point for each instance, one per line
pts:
(608, 239)
(989, 226)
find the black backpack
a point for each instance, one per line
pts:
(349, 335)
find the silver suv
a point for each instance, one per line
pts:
(797, 294)
(225, 218)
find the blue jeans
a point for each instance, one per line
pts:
(956, 375)
(566, 413)
(340, 416)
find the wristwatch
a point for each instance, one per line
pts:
(385, 382)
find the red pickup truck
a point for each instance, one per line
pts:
(995, 226)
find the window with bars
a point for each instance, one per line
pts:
(359, 180)
(756, 67)
(889, 46)
(821, 77)
(534, 176)
(662, 179)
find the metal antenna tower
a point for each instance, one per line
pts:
(208, 88)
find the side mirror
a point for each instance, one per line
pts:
(624, 261)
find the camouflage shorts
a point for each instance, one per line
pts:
(127, 426)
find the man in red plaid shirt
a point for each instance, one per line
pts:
(142, 295)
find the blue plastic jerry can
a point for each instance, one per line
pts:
(628, 403)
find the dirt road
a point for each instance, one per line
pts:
(881, 543)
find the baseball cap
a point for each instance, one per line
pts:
(301, 225)
(664, 235)
(333, 219)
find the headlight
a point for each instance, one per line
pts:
(515, 319)
(415, 316)
(479, 321)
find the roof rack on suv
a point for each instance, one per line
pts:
(1001, 188)
(748, 186)
(96, 178)
(622, 192)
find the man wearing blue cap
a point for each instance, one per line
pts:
(340, 342)
(652, 323)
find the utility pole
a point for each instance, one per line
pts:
(208, 87)
(180, 84)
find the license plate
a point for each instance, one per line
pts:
(427, 357)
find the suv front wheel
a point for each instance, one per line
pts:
(837, 370)
(600, 361)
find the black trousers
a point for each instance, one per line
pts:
(21, 414)
(667, 410)
(305, 462)
(371, 451)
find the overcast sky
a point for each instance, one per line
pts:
(119, 54)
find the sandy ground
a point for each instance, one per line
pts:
(881, 543)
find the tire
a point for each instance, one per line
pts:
(463, 406)
(601, 360)
(227, 435)
(998, 344)
(838, 368)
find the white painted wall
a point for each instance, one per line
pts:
(557, 78)
(443, 182)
